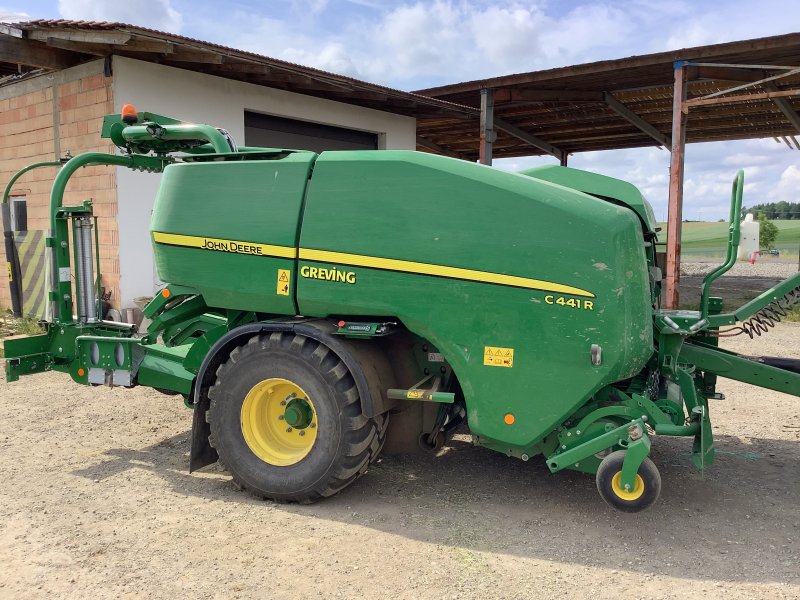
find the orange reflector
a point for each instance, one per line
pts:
(129, 114)
(81, 372)
(509, 419)
(165, 292)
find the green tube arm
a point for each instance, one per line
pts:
(62, 308)
(733, 242)
(21, 172)
(147, 163)
(181, 131)
(14, 270)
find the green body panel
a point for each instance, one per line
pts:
(235, 202)
(598, 185)
(534, 289)
(433, 210)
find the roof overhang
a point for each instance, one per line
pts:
(35, 47)
(628, 103)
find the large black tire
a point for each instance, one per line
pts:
(346, 441)
(646, 492)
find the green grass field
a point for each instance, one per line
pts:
(708, 240)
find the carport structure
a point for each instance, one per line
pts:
(732, 91)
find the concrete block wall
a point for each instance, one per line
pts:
(43, 118)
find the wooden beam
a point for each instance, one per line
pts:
(675, 211)
(81, 47)
(504, 95)
(6, 29)
(627, 114)
(528, 138)
(33, 54)
(784, 106)
(89, 36)
(434, 147)
(724, 74)
(206, 58)
(739, 98)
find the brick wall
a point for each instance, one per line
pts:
(47, 117)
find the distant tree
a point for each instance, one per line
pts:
(776, 210)
(768, 231)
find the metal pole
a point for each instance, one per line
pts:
(675, 215)
(487, 126)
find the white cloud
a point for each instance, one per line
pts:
(155, 14)
(788, 187)
(13, 16)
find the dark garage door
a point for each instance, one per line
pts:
(278, 132)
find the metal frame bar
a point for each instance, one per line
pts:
(486, 127)
(675, 218)
(680, 109)
(528, 138)
(630, 116)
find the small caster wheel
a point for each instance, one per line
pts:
(645, 491)
(435, 446)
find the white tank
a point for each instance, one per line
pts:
(748, 243)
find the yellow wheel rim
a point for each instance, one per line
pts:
(622, 493)
(279, 422)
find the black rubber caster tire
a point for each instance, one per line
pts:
(644, 493)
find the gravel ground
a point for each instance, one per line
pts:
(96, 502)
(736, 287)
(762, 268)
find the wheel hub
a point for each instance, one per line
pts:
(278, 422)
(298, 413)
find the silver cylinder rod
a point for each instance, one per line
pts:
(84, 270)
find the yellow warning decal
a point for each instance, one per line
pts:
(284, 281)
(498, 357)
(220, 245)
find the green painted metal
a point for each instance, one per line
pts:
(61, 295)
(571, 457)
(531, 296)
(763, 300)
(733, 243)
(455, 214)
(637, 451)
(598, 185)
(733, 366)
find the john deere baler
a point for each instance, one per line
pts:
(320, 304)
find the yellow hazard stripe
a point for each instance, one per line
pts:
(360, 260)
(223, 245)
(392, 264)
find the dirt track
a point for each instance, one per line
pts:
(96, 502)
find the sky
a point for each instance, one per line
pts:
(413, 45)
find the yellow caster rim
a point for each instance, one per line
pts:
(279, 422)
(622, 493)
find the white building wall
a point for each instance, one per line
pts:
(201, 98)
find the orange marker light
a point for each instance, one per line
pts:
(509, 419)
(129, 114)
(165, 292)
(81, 372)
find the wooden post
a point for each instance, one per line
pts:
(487, 126)
(675, 215)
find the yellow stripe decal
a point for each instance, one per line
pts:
(391, 264)
(360, 260)
(220, 245)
